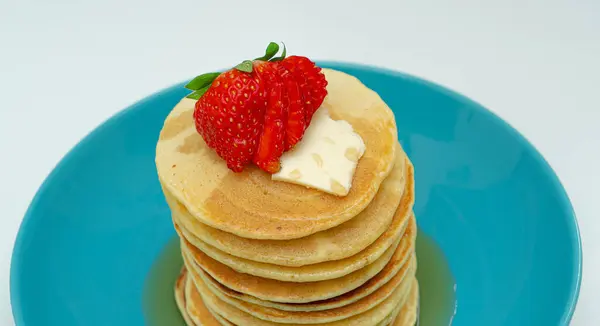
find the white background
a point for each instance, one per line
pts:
(65, 66)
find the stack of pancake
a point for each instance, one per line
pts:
(264, 252)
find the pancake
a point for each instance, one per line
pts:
(201, 316)
(391, 317)
(308, 273)
(223, 321)
(279, 291)
(394, 268)
(198, 312)
(403, 280)
(410, 311)
(238, 317)
(264, 209)
(336, 243)
(180, 297)
(292, 292)
(220, 319)
(206, 317)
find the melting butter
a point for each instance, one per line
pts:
(325, 158)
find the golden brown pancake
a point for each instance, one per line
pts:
(340, 242)
(395, 268)
(236, 316)
(315, 272)
(219, 318)
(391, 317)
(322, 316)
(279, 291)
(392, 269)
(195, 314)
(410, 310)
(292, 292)
(250, 204)
(404, 315)
(198, 312)
(180, 296)
(208, 317)
(308, 273)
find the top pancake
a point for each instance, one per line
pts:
(249, 204)
(393, 202)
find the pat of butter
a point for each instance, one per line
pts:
(325, 158)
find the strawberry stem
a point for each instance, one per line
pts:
(282, 56)
(245, 66)
(200, 84)
(271, 51)
(201, 81)
(198, 93)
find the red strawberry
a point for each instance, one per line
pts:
(296, 119)
(230, 116)
(259, 109)
(271, 144)
(311, 81)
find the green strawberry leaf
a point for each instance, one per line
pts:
(271, 51)
(201, 81)
(245, 66)
(198, 94)
(282, 56)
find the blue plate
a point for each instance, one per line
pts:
(484, 194)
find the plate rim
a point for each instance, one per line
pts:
(16, 255)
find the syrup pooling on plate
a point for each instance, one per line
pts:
(436, 284)
(160, 308)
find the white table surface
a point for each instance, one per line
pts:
(65, 66)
